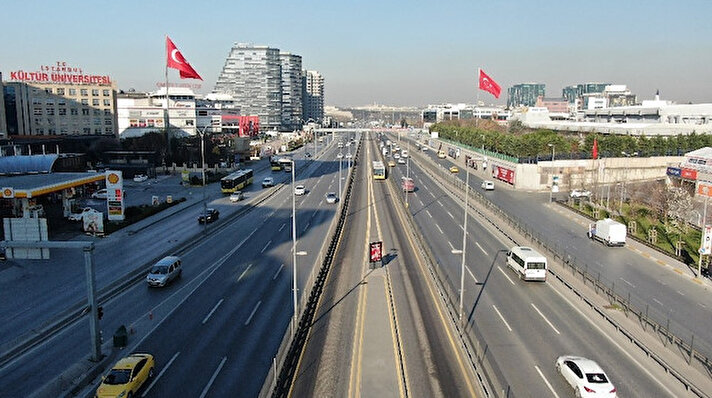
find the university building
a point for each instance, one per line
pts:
(59, 100)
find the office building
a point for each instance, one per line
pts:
(524, 94)
(252, 76)
(3, 124)
(313, 96)
(572, 93)
(292, 95)
(60, 100)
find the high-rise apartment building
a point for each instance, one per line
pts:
(572, 93)
(313, 96)
(253, 76)
(524, 94)
(291, 91)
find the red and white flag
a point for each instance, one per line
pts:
(175, 60)
(489, 85)
(595, 149)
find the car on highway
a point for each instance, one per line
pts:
(391, 163)
(487, 185)
(100, 194)
(424, 148)
(208, 216)
(580, 193)
(454, 169)
(268, 182)
(396, 156)
(127, 376)
(80, 216)
(237, 196)
(331, 197)
(401, 161)
(140, 178)
(300, 190)
(307, 154)
(348, 156)
(339, 155)
(407, 184)
(164, 271)
(585, 376)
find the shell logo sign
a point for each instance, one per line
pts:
(8, 193)
(113, 178)
(115, 195)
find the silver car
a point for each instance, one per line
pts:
(164, 271)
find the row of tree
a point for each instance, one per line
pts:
(523, 143)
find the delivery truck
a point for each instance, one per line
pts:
(608, 231)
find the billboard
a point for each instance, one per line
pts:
(503, 173)
(704, 188)
(674, 171)
(60, 72)
(376, 252)
(707, 240)
(115, 194)
(249, 126)
(689, 174)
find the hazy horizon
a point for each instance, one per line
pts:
(398, 53)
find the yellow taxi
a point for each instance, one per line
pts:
(454, 169)
(391, 163)
(127, 376)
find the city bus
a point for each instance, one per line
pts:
(286, 164)
(236, 181)
(379, 170)
(274, 164)
(528, 263)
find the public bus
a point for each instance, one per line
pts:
(236, 181)
(274, 164)
(286, 164)
(379, 170)
(528, 263)
(408, 184)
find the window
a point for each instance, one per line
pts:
(105, 93)
(73, 91)
(97, 121)
(60, 91)
(48, 90)
(107, 122)
(63, 131)
(84, 92)
(107, 102)
(61, 102)
(108, 130)
(95, 92)
(49, 102)
(85, 101)
(574, 368)
(107, 112)
(86, 130)
(40, 131)
(74, 111)
(37, 111)
(97, 131)
(95, 102)
(62, 111)
(97, 112)
(36, 101)
(50, 111)
(85, 112)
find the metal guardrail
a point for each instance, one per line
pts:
(602, 286)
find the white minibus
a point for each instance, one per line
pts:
(529, 263)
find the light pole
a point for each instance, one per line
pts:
(553, 153)
(341, 156)
(464, 245)
(202, 169)
(704, 225)
(294, 249)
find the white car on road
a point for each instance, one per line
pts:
(331, 197)
(80, 216)
(236, 196)
(585, 376)
(268, 182)
(300, 190)
(100, 194)
(580, 193)
(140, 178)
(488, 185)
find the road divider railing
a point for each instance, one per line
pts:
(696, 353)
(284, 364)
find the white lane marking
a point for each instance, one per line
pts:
(451, 216)
(421, 202)
(546, 381)
(483, 250)
(428, 211)
(278, 271)
(471, 274)
(680, 293)
(249, 319)
(306, 227)
(165, 367)
(321, 202)
(505, 275)
(441, 204)
(501, 317)
(628, 283)
(451, 246)
(702, 305)
(265, 248)
(545, 318)
(313, 214)
(426, 187)
(658, 301)
(441, 230)
(211, 311)
(615, 343)
(244, 272)
(282, 227)
(212, 379)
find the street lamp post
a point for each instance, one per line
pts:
(553, 153)
(202, 169)
(341, 156)
(464, 243)
(294, 251)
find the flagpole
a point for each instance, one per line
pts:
(166, 118)
(477, 104)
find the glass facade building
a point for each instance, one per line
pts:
(524, 94)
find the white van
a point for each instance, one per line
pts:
(528, 263)
(164, 271)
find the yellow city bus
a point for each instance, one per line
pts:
(236, 181)
(379, 170)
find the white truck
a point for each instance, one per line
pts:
(608, 231)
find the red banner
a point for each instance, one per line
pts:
(689, 174)
(503, 174)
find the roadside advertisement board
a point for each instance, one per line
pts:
(689, 174)
(704, 188)
(115, 194)
(504, 174)
(707, 240)
(674, 171)
(376, 251)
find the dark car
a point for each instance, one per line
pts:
(208, 216)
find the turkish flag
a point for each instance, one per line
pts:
(175, 60)
(489, 85)
(595, 149)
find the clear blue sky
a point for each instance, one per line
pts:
(398, 53)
